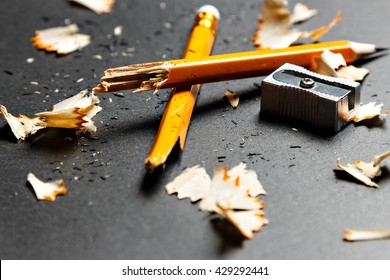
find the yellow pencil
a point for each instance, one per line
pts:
(184, 72)
(177, 114)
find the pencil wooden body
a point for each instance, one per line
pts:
(249, 64)
(190, 71)
(177, 114)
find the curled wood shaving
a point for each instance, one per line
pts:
(363, 235)
(318, 33)
(230, 193)
(352, 73)
(369, 111)
(98, 6)
(276, 21)
(62, 40)
(334, 65)
(232, 97)
(75, 112)
(333, 60)
(248, 179)
(193, 183)
(365, 171)
(302, 13)
(46, 190)
(21, 126)
(246, 221)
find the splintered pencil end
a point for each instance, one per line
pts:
(99, 88)
(153, 163)
(142, 77)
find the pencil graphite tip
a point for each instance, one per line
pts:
(381, 49)
(361, 49)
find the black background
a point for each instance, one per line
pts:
(112, 209)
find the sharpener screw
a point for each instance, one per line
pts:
(307, 83)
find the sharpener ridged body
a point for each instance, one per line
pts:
(329, 105)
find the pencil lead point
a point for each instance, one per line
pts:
(381, 49)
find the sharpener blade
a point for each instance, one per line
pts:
(293, 91)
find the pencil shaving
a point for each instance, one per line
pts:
(276, 30)
(62, 40)
(334, 65)
(232, 97)
(318, 33)
(228, 191)
(365, 171)
(98, 6)
(231, 194)
(192, 183)
(369, 111)
(75, 112)
(302, 13)
(351, 72)
(21, 126)
(365, 235)
(333, 60)
(246, 222)
(248, 179)
(46, 190)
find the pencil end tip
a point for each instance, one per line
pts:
(210, 9)
(150, 165)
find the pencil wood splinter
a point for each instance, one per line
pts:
(185, 72)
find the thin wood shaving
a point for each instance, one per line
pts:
(248, 179)
(62, 40)
(318, 33)
(46, 190)
(98, 6)
(232, 97)
(276, 22)
(352, 73)
(75, 112)
(302, 13)
(232, 194)
(246, 221)
(364, 235)
(365, 171)
(369, 111)
(334, 65)
(192, 183)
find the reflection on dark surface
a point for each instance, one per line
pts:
(288, 123)
(152, 179)
(54, 140)
(6, 134)
(365, 60)
(230, 237)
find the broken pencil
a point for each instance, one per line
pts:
(177, 114)
(184, 72)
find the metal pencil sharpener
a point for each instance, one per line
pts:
(293, 91)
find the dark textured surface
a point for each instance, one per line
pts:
(113, 210)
